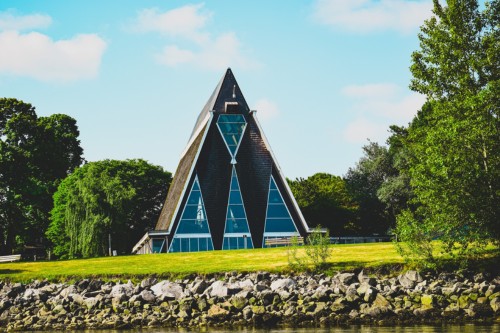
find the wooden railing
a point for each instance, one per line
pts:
(285, 241)
(11, 258)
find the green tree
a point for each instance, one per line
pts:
(454, 143)
(324, 200)
(395, 191)
(364, 182)
(118, 198)
(35, 153)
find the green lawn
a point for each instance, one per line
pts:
(344, 257)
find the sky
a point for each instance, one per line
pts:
(325, 76)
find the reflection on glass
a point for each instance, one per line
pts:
(192, 225)
(231, 126)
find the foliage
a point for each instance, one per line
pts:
(35, 154)
(314, 253)
(454, 142)
(324, 200)
(364, 182)
(318, 247)
(118, 198)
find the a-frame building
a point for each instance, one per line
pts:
(228, 191)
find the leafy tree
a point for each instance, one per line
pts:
(324, 200)
(364, 182)
(454, 143)
(35, 153)
(395, 191)
(118, 198)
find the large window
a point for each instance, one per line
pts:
(236, 231)
(279, 223)
(231, 127)
(193, 232)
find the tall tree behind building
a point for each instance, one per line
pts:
(35, 154)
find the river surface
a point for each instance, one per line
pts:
(467, 328)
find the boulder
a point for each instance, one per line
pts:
(218, 289)
(167, 290)
(198, 287)
(147, 296)
(126, 288)
(148, 282)
(365, 279)
(282, 284)
(346, 278)
(216, 311)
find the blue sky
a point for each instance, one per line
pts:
(324, 75)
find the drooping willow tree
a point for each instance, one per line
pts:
(121, 199)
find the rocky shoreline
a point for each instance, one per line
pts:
(251, 300)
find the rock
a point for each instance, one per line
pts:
(218, 289)
(91, 302)
(167, 290)
(405, 282)
(68, 290)
(480, 310)
(246, 284)
(199, 287)
(346, 278)
(282, 284)
(247, 313)
(216, 311)
(381, 302)
(258, 309)
(238, 302)
(427, 300)
(148, 282)
(495, 304)
(126, 289)
(365, 279)
(147, 296)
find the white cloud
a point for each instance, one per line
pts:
(38, 56)
(370, 15)
(378, 106)
(188, 25)
(266, 109)
(361, 129)
(9, 21)
(185, 22)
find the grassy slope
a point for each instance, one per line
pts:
(180, 264)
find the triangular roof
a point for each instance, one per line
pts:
(223, 93)
(227, 92)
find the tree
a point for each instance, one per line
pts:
(118, 198)
(35, 153)
(395, 192)
(364, 182)
(324, 200)
(454, 143)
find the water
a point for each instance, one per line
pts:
(468, 328)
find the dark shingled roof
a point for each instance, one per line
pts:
(178, 184)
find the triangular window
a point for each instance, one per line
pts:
(279, 223)
(236, 231)
(232, 127)
(193, 232)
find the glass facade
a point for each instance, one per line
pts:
(231, 127)
(279, 223)
(236, 231)
(157, 245)
(193, 233)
